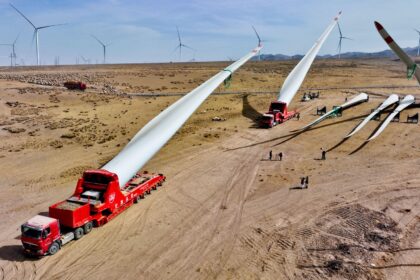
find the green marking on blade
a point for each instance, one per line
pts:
(228, 80)
(411, 70)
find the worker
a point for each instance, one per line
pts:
(323, 155)
(298, 116)
(280, 156)
(306, 182)
(302, 182)
(270, 154)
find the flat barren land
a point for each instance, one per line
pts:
(225, 211)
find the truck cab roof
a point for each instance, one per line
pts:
(40, 221)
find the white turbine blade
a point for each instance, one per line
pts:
(295, 79)
(188, 47)
(17, 37)
(339, 30)
(179, 36)
(30, 22)
(411, 65)
(47, 26)
(154, 135)
(258, 36)
(407, 101)
(392, 99)
(99, 41)
(362, 97)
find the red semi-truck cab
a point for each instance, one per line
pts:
(277, 113)
(96, 200)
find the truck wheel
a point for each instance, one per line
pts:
(136, 199)
(78, 233)
(54, 248)
(87, 227)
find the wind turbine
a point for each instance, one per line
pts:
(13, 54)
(36, 31)
(181, 45)
(341, 38)
(418, 47)
(103, 46)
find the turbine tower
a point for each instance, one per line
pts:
(341, 39)
(181, 45)
(103, 46)
(13, 54)
(36, 31)
(418, 47)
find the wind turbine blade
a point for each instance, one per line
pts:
(46, 26)
(154, 135)
(30, 22)
(295, 79)
(258, 36)
(179, 36)
(17, 37)
(175, 49)
(417, 31)
(34, 36)
(339, 29)
(99, 41)
(411, 65)
(188, 47)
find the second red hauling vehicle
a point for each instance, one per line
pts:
(96, 200)
(277, 113)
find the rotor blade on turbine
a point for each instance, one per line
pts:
(46, 26)
(30, 22)
(99, 41)
(188, 47)
(258, 36)
(154, 135)
(179, 36)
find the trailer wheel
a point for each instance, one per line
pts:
(136, 199)
(87, 227)
(78, 233)
(154, 187)
(148, 191)
(54, 248)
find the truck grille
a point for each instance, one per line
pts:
(31, 247)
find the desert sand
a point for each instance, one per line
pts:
(225, 212)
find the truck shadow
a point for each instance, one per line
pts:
(249, 112)
(14, 253)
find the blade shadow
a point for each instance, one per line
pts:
(293, 135)
(250, 112)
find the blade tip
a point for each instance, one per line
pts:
(378, 26)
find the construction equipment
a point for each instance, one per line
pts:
(96, 200)
(102, 194)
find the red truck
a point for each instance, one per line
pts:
(75, 85)
(277, 113)
(96, 200)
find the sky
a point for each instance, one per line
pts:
(145, 31)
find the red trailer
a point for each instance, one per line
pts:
(96, 200)
(277, 113)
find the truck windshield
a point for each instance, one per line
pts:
(31, 232)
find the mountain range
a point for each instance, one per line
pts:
(348, 55)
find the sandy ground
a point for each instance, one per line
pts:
(225, 211)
